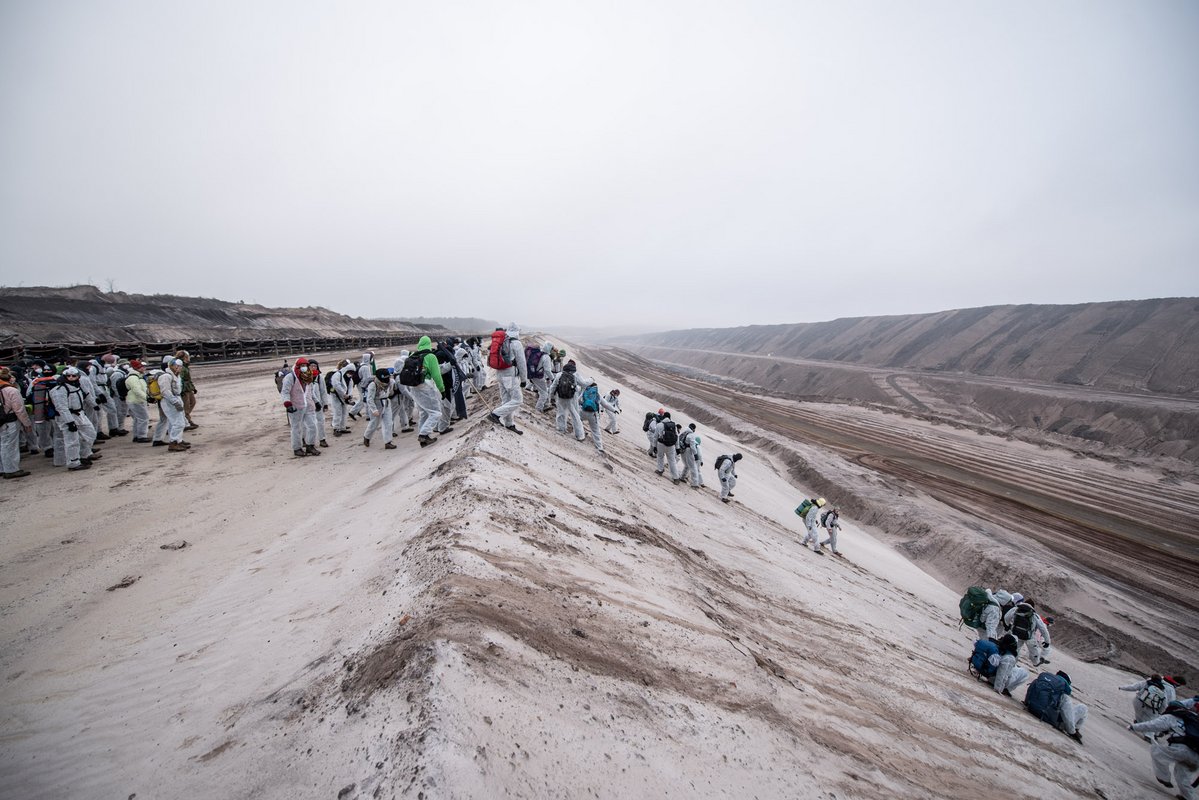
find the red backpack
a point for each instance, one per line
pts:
(495, 356)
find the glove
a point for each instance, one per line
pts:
(1045, 647)
(102, 400)
(1130, 727)
(178, 406)
(72, 427)
(523, 384)
(95, 406)
(287, 405)
(318, 406)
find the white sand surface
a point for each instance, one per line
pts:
(492, 616)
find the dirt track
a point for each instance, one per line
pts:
(1128, 528)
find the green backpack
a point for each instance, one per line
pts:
(972, 604)
(804, 507)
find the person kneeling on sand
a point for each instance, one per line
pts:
(1049, 698)
(1008, 676)
(726, 469)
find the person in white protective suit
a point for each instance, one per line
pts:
(366, 373)
(991, 617)
(727, 472)
(1172, 757)
(321, 400)
(120, 405)
(1025, 623)
(666, 437)
(1152, 696)
(378, 409)
(612, 398)
(537, 361)
(590, 406)
(171, 387)
(403, 402)
(341, 398)
(512, 380)
(651, 419)
(831, 521)
(91, 406)
(811, 521)
(428, 393)
(466, 365)
(480, 362)
(565, 388)
(688, 449)
(300, 405)
(75, 433)
(1008, 676)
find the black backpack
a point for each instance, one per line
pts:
(650, 417)
(119, 385)
(720, 460)
(670, 433)
(566, 386)
(1022, 621)
(329, 382)
(1190, 735)
(413, 371)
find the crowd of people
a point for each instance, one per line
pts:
(1007, 621)
(65, 410)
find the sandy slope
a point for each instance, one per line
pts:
(493, 616)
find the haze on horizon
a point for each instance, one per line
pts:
(662, 165)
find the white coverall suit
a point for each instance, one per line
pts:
(403, 402)
(1143, 712)
(593, 417)
(666, 452)
(1168, 758)
(476, 356)
(1030, 644)
(613, 402)
(511, 397)
(321, 399)
(688, 448)
(1007, 675)
(366, 374)
(541, 382)
(568, 407)
(342, 398)
(378, 410)
(990, 619)
(68, 408)
(728, 477)
(172, 405)
(302, 420)
(811, 521)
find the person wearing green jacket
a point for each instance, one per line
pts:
(188, 392)
(428, 394)
(136, 398)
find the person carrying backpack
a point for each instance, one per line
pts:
(1177, 756)
(651, 419)
(1152, 696)
(300, 405)
(537, 361)
(507, 358)
(688, 449)
(75, 434)
(378, 409)
(426, 389)
(831, 521)
(320, 396)
(136, 399)
(341, 395)
(590, 406)
(666, 437)
(1025, 623)
(1049, 698)
(364, 374)
(1008, 676)
(565, 389)
(811, 521)
(726, 471)
(13, 421)
(403, 402)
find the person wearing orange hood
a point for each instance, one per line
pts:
(13, 420)
(300, 405)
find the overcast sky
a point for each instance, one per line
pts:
(604, 163)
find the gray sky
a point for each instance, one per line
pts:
(659, 163)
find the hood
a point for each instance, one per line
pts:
(569, 367)
(1002, 597)
(547, 348)
(425, 343)
(513, 331)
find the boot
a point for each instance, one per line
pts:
(175, 447)
(49, 452)
(324, 443)
(102, 437)
(311, 450)
(389, 446)
(160, 443)
(299, 453)
(338, 433)
(366, 442)
(18, 474)
(185, 444)
(78, 467)
(425, 441)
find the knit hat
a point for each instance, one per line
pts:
(136, 364)
(691, 425)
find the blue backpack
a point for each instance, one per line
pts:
(591, 399)
(1044, 697)
(979, 664)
